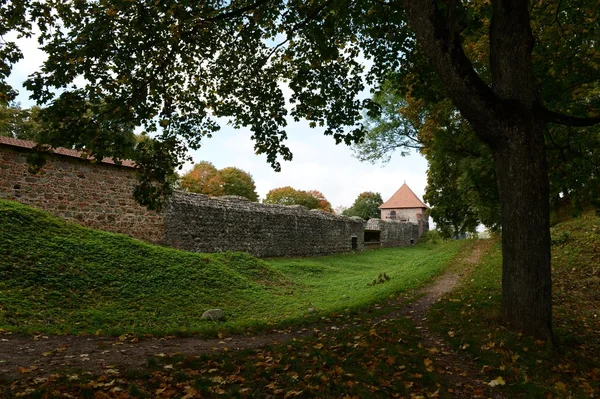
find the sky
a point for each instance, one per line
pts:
(318, 163)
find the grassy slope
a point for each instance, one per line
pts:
(534, 368)
(58, 277)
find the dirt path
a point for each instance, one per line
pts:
(40, 356)
(460, 371)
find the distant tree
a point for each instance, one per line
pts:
(324, 205)
(365, 206)
(462, 187)
(205, 178)
(20, 123)
(238, 182)
(290, 196)
(389, 131)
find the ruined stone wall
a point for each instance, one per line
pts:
(99, 195)
(200, 223)
(394, 234)
(94, 195)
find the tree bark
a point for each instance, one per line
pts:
(525, 213)
(506, 118)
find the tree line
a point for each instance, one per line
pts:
(205, 178)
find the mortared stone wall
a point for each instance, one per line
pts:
(96, 195)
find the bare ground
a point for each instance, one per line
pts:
(40, 356)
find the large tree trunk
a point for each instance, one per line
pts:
(504, 117)
(524, 193)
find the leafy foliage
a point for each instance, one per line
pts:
(20, 123)
(462, 187)
(172, 68)
(238, 182)
(324, 204)
(387, 131)
(230, 56)
(366, 206)
(461, 178)
(204, 178)
(290, 196)
(14, 19)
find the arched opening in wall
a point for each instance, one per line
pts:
(393, 215)
(354, 242)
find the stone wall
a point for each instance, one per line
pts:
(411, 215)
(95, 195)
(394, 234)
(99, 195)
(200, 223)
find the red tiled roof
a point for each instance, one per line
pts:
(403, 198)
(60, 150)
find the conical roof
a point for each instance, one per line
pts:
(403, 198)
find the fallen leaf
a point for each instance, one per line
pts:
(497, 381)
(560, 386)
(23, 370)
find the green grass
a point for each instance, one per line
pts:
(533, 368)
(58, 277)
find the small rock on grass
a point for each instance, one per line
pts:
(214, 314)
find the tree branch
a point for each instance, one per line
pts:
(233, 13)
(567, 120)
(557, 20)
(511, 45)
(442, 45)
(298, 26)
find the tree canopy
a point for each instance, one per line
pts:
(205, 178)
(324, 204)
(290, 196)
(510, 68)
(20, 123)
(238, 182)
(366, 206)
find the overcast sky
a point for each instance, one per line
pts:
(318, 164)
